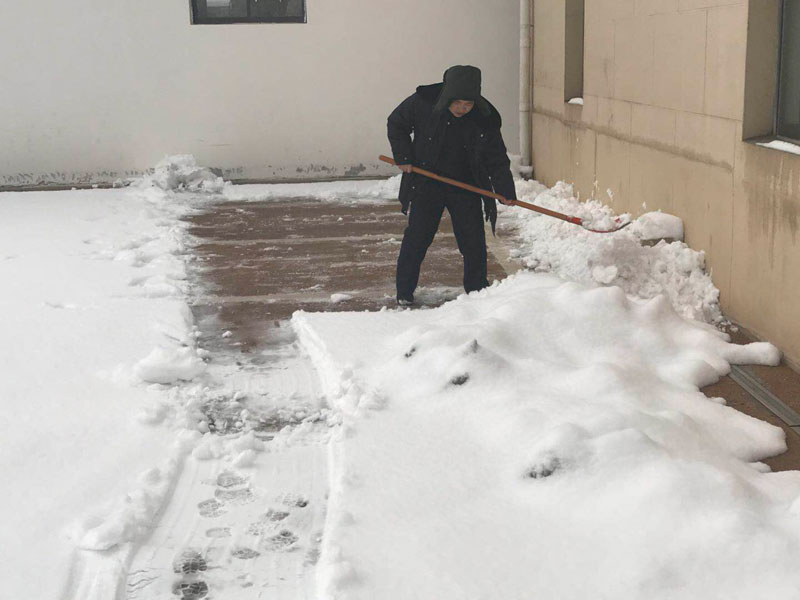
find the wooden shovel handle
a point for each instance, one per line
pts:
(482, 192)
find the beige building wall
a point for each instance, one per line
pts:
(662, 126)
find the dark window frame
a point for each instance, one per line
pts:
(198, 20)
(574, 39)
(779, 74)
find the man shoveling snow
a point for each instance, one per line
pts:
(456, 134)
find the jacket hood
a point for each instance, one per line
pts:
(489, 120)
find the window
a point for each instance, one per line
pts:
(573, 51)
(248, 11)
(772, 73)
(787, 118)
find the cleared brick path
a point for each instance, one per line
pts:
(258, 262)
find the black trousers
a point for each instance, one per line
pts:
(423, 221)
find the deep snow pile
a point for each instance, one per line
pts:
(542, 439)
(668, 267)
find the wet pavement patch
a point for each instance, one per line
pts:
(257, 262)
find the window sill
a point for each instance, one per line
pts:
(771, 142)
(245, 21)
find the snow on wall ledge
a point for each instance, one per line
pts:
(545, 439)
(308, 172)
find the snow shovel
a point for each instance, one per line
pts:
(539, 209)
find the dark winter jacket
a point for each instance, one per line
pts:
(488, 160)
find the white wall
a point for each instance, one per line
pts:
(93, 90)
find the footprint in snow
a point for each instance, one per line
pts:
(266, 521)
(273, 516)
(218, 532)
(190, 590)
(545, 468)
(211, 508)
(256, 528)
(235, 497)
(189, 561)
(472, 347)
(460, 379)
(244, 553)
(282, 542)
(312, 556)
(229, 479)
(294, 500)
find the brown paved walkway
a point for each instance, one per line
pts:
(258, 262)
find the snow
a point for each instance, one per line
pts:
(657, 226)
(578, 101)
(170, 365)
(336, 298)
(130, 518)
(182, 173)
(669, 268)
(544, 431)
(781, 145)
(546, 439)
(93, 284)
(331, 191)
(518, 170)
